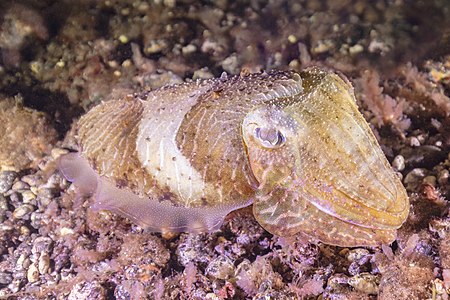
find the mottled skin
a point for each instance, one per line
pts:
(293, 144)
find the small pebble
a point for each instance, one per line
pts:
(422, 138)
(22, 211)
(292, 39)
(36, 219)
(42, 244)
(33, 273)
(31, 180)
(6, 180)
(45, 192)
(143, 7)
(28, 196)
(336, 281)
(323, 46)
(23, 261)
(365, 282)
(5, 227)
(192, 248)
(414, 175)
(53, 181)
(44, 263)
(231, 64)
(211, 296)
(414, 142)
(186, 50)
(24, 230)
(123, 39)
(156, 46)
(66, 231)
(44, 201)
(202, 73)
(5, 278)
(398, 163)
(443, 177)
(15, 285)
(357, 254)
(221, 267)
(20, 186)
(14, 197)
(356, 49)
(34, 189)
(170, 3)
(3, 208)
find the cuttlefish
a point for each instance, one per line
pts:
(292, 144)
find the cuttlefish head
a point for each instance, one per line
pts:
(320, 169)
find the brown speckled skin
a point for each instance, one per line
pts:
(194, 146)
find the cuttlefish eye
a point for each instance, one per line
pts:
(269, 137)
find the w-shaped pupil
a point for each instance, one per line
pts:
(270, 137)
